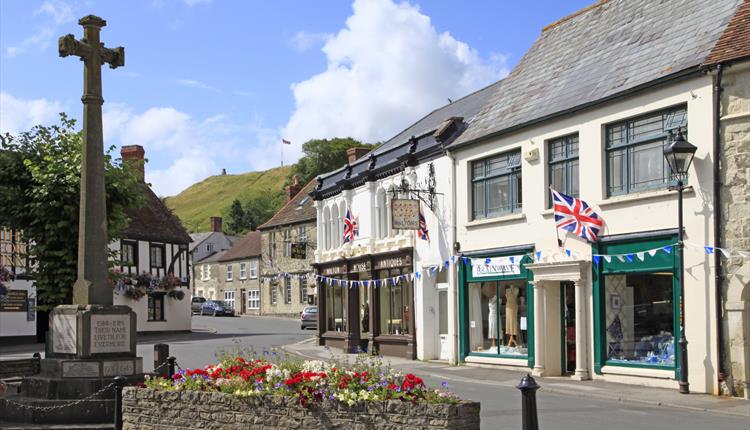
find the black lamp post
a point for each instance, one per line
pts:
(679, 155)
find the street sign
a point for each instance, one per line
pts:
(405, 214)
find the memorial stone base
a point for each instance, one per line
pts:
(87, 346)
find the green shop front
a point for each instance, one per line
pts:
(496, 311)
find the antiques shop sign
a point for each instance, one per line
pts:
(405, 214)
(497, 266)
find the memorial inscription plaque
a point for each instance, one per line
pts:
(80, 369)
(64, 330)
(114, 368)
(110, 333)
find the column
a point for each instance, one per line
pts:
(539, 328)
(581, 372)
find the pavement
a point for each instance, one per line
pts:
(509, 378)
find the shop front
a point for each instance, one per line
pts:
(496, 307)
(366, 304)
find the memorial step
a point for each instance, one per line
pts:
(16, 426)
(33, 411)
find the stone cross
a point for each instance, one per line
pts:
(92, 285)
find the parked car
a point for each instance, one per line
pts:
(309, 317)
(216, 308)
(197, 304)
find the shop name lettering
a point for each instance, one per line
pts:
(495, 269)
(111, 334)
(391, 262)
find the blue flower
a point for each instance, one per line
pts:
(398, 389)
(445, 384)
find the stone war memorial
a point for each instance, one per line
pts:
(90, 341)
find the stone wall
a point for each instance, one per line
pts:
(213, 284)
(285, 264)
(735, 225)
(144, 408)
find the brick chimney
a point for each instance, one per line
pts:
(293, 189)
(133, 155)
(354, 154)
(216, 224)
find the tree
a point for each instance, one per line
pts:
(324, 155)
(40, 187)
(237, 221)
(261, 209)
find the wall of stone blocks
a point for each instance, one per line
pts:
(144, 408)
(735, 225)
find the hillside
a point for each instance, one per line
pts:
(214, 195)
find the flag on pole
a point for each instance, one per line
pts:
(351, 227)
(424, 234)
(286, 142)
(576, 216)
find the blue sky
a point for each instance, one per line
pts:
(212, 84)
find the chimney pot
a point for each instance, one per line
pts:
(216, 224)
(293, 188)
(353, 154)
(133, 155)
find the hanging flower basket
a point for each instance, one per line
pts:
(176, 294)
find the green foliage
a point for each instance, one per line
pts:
(40, 189)
(237, 223)
(324, 155)
(214, 197)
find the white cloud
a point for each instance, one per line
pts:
(388, 67)
(192, 83)
(17, 115)
(60, 12)
(304, 40)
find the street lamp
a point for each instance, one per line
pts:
(679, 156)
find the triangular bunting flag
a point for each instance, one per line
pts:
(539, 255)
(608, 258)
(652, 252)
(668, 249)
(417, 275)
(629, 257)
(725, 252)
(621, 258)
(709, 249)
(512, 259)
(487, 261)
(466, 260)
(596, 259)
(641, 255)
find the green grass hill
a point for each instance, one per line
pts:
(214, 195)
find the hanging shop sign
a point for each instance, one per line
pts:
(15, 301)
(299, 251)
(405, 214)
(496, 266)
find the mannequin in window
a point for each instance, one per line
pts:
(511, 314)
(365, 314)
(492, 320)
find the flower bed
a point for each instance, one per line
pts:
(285, 393)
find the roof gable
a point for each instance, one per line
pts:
(154, 221)
(246, 247)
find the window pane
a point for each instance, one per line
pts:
(556, 150)
(517, 189)
(617, 170)
(675, 119)
(615, 135)
(573, 146)
(557, 177)
(640, 319)
(573, 188)
(645, 128)
(478, 199)
(647, 165)
(478, 169)
(498, 318)
(498, 195)
(497, 165)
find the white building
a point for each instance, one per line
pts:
(368, 295)
(588, 111)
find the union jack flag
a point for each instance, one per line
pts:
(424, 234)
(576, 216)
(351, 227)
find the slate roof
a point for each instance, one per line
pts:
(734, 44)
(154, 222)
(389, 152)
(599, 52)
(247, 246)
(299, 209)
(213, 258)
(198, 238)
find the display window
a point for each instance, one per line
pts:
(395, 301)
(337, 298)
(498, 318)
(636, 305)
(364, 305)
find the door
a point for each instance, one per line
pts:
(568, 324)
(445, 345)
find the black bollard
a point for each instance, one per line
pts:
(161, 352)
(172, 361)
(528, 387)
(119, 384)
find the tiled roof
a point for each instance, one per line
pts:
(213, 258)
(607, 49)
(247, 246)
(735, 42)
(198, 238)
(389, 152)
(154, 221)
(299, 209)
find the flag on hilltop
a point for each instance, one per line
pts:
(286, 142)
(424, 234)
(576, 216)
(351, 227)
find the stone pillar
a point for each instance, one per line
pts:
(581, 372)
(539, 328)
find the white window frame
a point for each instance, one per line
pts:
(229, 298)
(230, 273)
(253, 269)
(287, 290)
(274, 294)
(243, 271)
(303, 289)
(287, 234)
(253, 299)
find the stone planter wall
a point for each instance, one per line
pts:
(145, 408)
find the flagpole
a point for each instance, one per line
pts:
(282, 153)
(557, 232)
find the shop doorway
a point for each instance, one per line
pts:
(568, 324)
(444, 341)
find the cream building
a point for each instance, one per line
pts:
(238, 271)
(589, 113)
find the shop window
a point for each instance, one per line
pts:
(395, 304)
(156, 307)
(364, 305)
(498, 318)
(563, 165)
(496, 185)
(639, 318)
(229, 298)
(336, 307)
(253, 299)
(303, 289)
(635, 151)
